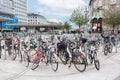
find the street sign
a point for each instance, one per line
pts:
(14, 21)
(22, 28)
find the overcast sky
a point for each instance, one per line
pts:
(55, 10)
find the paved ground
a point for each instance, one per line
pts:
(110, 70)
(118, 78)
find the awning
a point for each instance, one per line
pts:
(6, 29)
(4, 19)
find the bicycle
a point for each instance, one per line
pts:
(25, 55)
(0, 50)
(114, 42)
(8, 47)
(92, 54)
(78, 58)
(17, 51)
(50, 56)
(38, 57)
(68, 54)
(62, 52)
(107, 45)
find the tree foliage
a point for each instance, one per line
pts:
(67, 26)
(78, 17)
(112, 17)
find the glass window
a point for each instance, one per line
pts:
(112, 1)
(99, 2)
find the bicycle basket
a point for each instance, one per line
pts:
(106, 39)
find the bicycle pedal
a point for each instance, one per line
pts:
(69, 67)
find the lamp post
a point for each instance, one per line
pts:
(86, 17)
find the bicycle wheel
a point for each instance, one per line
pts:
(110, 48)
(47, 60)
(35, 64)
(63, 57)
(90, 58)
(54, 62)
(26, 59)
(98, 45)
(80, 63)
(17, 53)
(96, 61)
(12, 54)
(106, 50)
(0, 53)
(20, 54)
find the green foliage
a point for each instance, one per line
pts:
(112, 17)
(67, 26)
(78, 17)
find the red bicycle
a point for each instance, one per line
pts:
(39, 56)
(47, 56)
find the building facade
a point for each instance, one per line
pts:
(18, 8)
(103, 5)
(36, 19)
(12, 12)
(6, 7)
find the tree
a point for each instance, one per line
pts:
(112, 17)
(78, 17)
(67, 26)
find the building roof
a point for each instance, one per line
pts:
(36, 15)
(33, 14)
(36, 25)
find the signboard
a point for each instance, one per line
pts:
(42, 29)
(22, 28)
(14, 21)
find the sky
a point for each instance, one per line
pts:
(55, 10)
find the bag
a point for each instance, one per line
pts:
(84, 40)
(62, 46)
(8, 41)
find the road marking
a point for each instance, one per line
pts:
(18, 75)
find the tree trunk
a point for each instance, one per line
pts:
(79, 28)
(113, 26)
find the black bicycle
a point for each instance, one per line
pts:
(68, 53)
(78, 59)
(107, 46)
